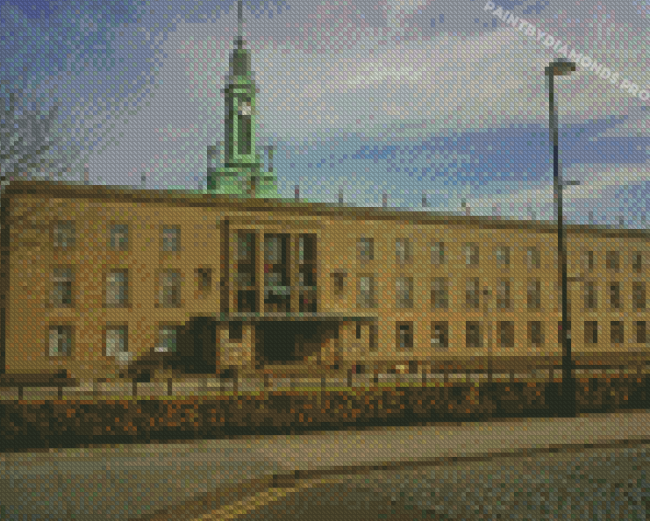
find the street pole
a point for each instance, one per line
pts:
(567, 403)
(486, 309)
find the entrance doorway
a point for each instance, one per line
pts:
(289, 343)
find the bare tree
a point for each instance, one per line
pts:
(26, 139)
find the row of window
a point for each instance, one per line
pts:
(366, 296)
(64, 237)
(117, 337)
(116, 287)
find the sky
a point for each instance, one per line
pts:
(401, 97)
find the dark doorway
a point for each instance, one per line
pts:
(280, 343)
(197, 350)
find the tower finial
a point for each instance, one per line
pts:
(240, 22)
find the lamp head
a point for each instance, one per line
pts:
(560, 67)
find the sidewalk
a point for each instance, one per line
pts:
(193, 479)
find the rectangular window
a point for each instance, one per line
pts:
(119, 237)
(502, 256)
(117, 340)
(591, 332)
(62, 280)
(307, 248)
(535, 334)
(503, 294)
(616, 332)
(471, 293)
(204, 280)
(366, 293)
(338, 284)
(638, 295)
(366, 249)
(167, 340)
(60, 340)
(587, 260)
(612, 261)
(170, 289)
(245, 247)
(403, 254)
(637, 262)
(171, 238)
(471, 253)
(235, 331)
(640, 331)
(404, 292)
(439, 335)
(440, 293)
(615, 295)
(559, 331)
(506, 333)
(533, 257)
(590, 295)
(405, 335)
(117, 288)
(274, 249)
(437, 253)
(374, 337)
(534, 294)
(473, 334)
(64, 235)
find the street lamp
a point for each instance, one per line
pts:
(567, 404)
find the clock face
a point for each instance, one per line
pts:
(245, 108)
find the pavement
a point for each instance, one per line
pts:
(206, 478)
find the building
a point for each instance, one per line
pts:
(96, 280)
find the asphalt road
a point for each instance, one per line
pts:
(594, 484)
(134, 481)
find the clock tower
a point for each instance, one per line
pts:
(242, 167)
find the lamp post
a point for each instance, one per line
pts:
(567, 402)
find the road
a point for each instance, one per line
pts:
(592, 484)
(197, 478)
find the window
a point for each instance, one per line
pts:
(534, 294)
(307, 248)
(437, 253)
(535, 335)
(64, 235)
(473, 334)
(338, 283)
(366, 294)
(439, 335)
(638, 295)
(471, 293)
(62, 280)
(506, 333)
(403, 251)
(439, 293)
(590, 295)
(119, 237)
(117, 288)
(587, 260)
(117, 340)
(171, 238)
(637, 261)
(405, 335)
(533, 258)
(503, 256)
(591, 332)
(640, 331)
(167, 340)
(170, 289)
(615, 295)
(616, 332)
(273, 249)
(245, 247)
(503, 294)
(374, 337)
(204, 280)
(404, 292)
(60, 341)
(235, 331)
(366, 248)
(244, 127)
(612, 261)
(358, 331)
(559, 331)
(471, 253)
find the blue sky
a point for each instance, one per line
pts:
(399, 97)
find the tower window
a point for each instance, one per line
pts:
(244, 127)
